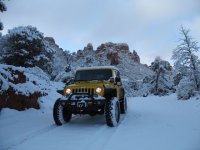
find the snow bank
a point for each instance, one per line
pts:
(21, 86)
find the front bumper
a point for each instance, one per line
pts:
(84, 103)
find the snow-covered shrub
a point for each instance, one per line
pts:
(45, 59)
(89, 60)
(162, 81)
(185, 89)
(143, 87)
(131, 88)
(64, 76)
(26, 47)
(147, 85)
(25, 44)
(177, 78)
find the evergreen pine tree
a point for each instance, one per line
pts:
(161, 83)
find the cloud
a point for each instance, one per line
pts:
(155, 10)
(194, 26)
(148, 26)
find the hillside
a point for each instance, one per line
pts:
(117, 54)
(25, 86)
(22, 88)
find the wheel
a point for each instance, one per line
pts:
(60, 113)
(123, 106)
(112, 112)
(67, 115)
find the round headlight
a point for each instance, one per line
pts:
(98, 90)
(68, 91)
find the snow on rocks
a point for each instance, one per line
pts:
(21, 87)
(118, 55)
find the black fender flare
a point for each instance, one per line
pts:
(110, 92)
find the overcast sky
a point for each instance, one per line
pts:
(151, 27)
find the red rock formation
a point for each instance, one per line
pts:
(113, 51)
(18, 77)
(113, 57)
(10, 98)
(135, 56)
(117, 47)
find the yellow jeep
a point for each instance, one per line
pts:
(94, 90)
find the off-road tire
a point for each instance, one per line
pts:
(112, 112)
(123, 106)
(60, 113)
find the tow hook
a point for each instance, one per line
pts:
(82, 104)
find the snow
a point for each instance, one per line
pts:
(98, 67)
(28, 32)
(151, 123)
(36, 80)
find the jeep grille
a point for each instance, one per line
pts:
(84, 90)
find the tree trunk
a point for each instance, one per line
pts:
(157, 77)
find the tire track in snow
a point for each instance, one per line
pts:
(103, 136)
(32, 135)
(28, 137)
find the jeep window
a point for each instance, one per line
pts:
(89, 75)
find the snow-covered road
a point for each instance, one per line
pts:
(152, 123)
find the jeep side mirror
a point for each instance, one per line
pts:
(112, 80)
(71, 81)
(117, 79)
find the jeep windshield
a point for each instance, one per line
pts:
(91, 75)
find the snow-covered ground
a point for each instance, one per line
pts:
(152, 123)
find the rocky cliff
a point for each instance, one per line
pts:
(117, 54)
